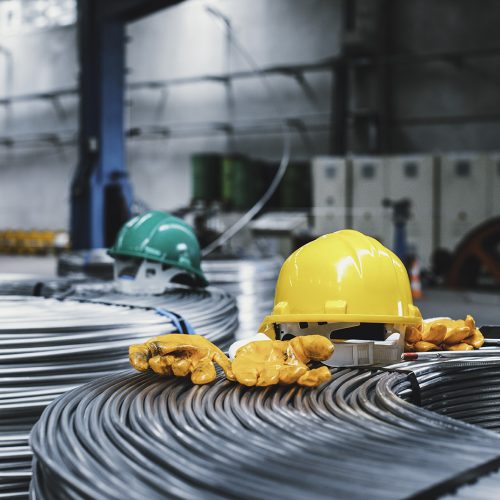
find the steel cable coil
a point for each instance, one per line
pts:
(93, 263)
(358, 436)
(251, 282)
(32, 285)
(48, 347)
(211, 311)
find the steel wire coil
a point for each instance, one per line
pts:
(94, 263)
(211, 311)
(251, 282)
(48, 347)
(463, 389)
(32, 285)
(358, 436)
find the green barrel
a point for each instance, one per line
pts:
(268, 171)
(296, 186)
(239, 182)
(259, 180)
(206, 172)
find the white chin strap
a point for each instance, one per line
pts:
(149, 277)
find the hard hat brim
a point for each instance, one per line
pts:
(202, 281)
(341, 318)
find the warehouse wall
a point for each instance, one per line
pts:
(186, 41)
(182, 41)
(446, 105)
(34, 181)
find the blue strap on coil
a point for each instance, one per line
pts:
(181, 324)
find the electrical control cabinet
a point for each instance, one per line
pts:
(369, 189)
(329, 194)
(465, 195)
(412, 177)
(449, 194)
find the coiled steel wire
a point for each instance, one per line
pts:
(211, 311)
(469, 390)
(48, 347)
(94, 263)
(358, 436)
(251, 282)
(31, 285)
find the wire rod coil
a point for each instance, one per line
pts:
(49, 346)
(211, 311)
(32, 285)
(251, 282)
(358, 436)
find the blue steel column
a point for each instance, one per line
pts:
(101, 194)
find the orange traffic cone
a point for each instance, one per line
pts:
(416, 285)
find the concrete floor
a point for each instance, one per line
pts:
(485, 307)
(22, 264)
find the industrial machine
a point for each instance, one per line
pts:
(465, 195)
(494, 182)
(412, 178)
(447, 197)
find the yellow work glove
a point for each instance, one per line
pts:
(264, 363)
(444, 334)
(180, 355)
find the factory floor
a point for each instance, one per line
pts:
(485, 307)
(21, 264)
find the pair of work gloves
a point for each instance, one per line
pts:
(259, 363)
(444, 334)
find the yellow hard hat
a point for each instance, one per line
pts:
(340, 277)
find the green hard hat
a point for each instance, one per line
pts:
(160, 237)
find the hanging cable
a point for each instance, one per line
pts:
(285, 157)
(251, 282)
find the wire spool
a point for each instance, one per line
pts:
(358, 436)
(48, 347)
(251, 282)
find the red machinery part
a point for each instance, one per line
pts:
(476, 261)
